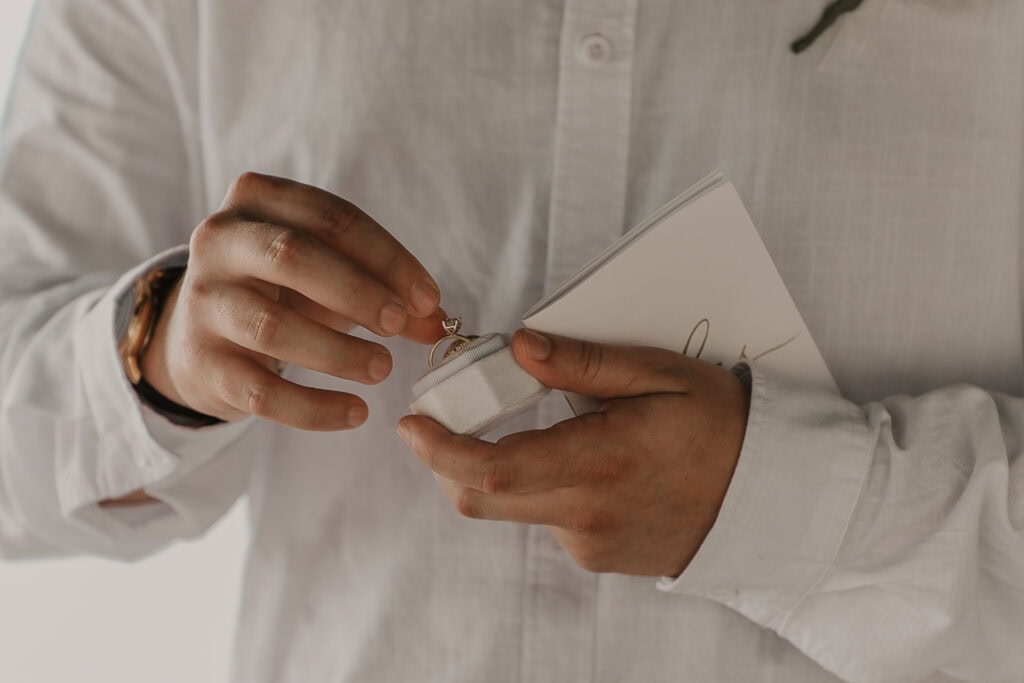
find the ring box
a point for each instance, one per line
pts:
(477, 387)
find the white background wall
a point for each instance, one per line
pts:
(168, 618)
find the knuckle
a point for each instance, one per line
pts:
(206, 233)
(198, 288)
(393, 263)
(194, 295)
(496, 478)
(466, 504)
(259, 398)
(634, 380)
(263, 328)
(588, 523)
(358, 289)
(248, 184)
(340, 215)
(195, 300)
(590, 362)
(592, 557)
(284, 250)
(317, 417)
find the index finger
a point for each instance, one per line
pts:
(569, 453)
(341, 225)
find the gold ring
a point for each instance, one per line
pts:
(451, 334)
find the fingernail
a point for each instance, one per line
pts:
(538, 347)
(357, 415)
(403, 431)
(425, 297)
(379, 366)
(392, 318)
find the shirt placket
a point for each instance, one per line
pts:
(588, 200)
(588, 194)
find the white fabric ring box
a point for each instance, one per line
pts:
(476, 388)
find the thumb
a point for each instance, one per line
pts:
(601, 370)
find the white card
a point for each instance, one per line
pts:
(695, 277)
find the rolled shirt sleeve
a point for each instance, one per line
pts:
(884, 541)
(98, 183)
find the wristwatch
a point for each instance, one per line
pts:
(138, 314)
(149, 295)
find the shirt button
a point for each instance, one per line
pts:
(595, 49)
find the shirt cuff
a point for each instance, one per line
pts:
(138, 449)
(803, 463)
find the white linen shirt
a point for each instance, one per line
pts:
(874, 537)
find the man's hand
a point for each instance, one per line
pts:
(632, 489)
(279, 275)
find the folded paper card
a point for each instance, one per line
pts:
(696, 278)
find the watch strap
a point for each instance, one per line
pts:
(174, 412)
